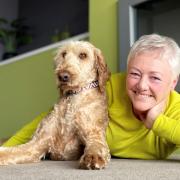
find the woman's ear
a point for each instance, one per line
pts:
(102, 69)
(174, 83)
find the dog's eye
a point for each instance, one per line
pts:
(64, 54)
(82, 55)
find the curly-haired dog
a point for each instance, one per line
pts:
(76, 126)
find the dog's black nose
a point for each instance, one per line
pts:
(64, 77)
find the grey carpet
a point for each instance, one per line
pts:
(120, 169)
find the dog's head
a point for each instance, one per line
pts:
(78, 63)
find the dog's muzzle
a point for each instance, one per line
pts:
(64, 77)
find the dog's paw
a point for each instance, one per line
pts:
(92, 161)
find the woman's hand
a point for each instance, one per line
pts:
(153, 113)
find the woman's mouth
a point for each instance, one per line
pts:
(143, 95)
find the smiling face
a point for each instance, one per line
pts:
(149, 80)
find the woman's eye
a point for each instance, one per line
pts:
(64, 54)
(155, 78)
(82, 55)
(134, 74)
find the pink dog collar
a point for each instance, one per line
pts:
(92, 85)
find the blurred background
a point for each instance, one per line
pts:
(39, 23)
(31, 31)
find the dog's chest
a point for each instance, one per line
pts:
(69, 109)
(70, 113)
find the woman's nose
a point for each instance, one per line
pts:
(142, 84)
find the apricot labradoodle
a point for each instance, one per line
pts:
(75, 128)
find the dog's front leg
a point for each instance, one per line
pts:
(96, 153)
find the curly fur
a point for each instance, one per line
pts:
(76, 126)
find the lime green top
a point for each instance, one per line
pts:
(127, 136)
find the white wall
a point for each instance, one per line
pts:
(8, 10)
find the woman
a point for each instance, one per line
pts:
(144, 109)
(145, 115)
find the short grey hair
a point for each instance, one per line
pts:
(168, 48)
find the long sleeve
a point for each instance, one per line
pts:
(167, 125)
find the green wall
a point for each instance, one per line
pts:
(103, 29)
(27, 87)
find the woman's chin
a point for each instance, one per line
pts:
(142, 107)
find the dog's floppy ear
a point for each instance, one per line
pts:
(102, 69)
